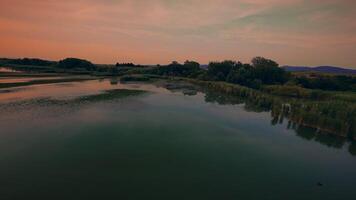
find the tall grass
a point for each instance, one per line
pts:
(317, 109)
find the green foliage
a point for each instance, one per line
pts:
(243, 74)
(218, 71)
(188, 69)
(261, 62)
(334, 83)
(295, 91)
(325, 113)
(192, 65)
(262, 71)
(268, 71)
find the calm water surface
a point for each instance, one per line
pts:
(6, 69)
(160, 145)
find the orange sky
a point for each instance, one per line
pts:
(294, 32)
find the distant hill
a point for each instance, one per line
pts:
(322, 69)
(27, 61)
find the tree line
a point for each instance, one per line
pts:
(259, 72)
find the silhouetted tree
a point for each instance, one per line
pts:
(219, 70)
(268, 71)
(75, 63)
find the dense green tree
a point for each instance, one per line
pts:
(240, 74)
(220, 70)
(263, 62)
(188, 69)
(192, 65)
(268, 71)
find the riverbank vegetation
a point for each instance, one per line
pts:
(324, 102)
(335, 117)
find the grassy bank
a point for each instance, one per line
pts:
(325, 112)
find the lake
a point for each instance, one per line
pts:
(72, 141)
(6, 69)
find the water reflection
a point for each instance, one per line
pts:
(312, 134)
(98, 91)
(352, 148)
(8, 70)
(180, 87)
(114, 81)
(280, 114)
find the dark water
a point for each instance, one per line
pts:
(160, 145)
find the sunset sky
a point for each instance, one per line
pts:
(293, 32)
